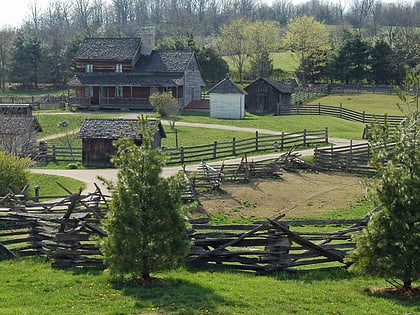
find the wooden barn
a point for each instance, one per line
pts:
(98, 135)
(227, 100)
(268, 96)
(18, 129)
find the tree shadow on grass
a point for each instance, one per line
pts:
(174, 296)
(397, 295)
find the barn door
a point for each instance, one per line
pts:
(261, 103)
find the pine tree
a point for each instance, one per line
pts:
(390, 245)
(147, 232)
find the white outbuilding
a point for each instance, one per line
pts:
(227, 100)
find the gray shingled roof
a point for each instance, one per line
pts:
(227, 86)
(126, 79)
(164, 61)
(112, 129)
(116, 49)
(17, 125)
(281, 87)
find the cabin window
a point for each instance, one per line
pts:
(119, 91)
(89, 91)
(119, 68)
(89, 68)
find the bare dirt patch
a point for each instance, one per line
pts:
(296, 194)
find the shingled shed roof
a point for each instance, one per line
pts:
(116, 49)
(18, 125)
(227, 86)
(164, 61)
(94, 79)
(281, 87)
(113, 129)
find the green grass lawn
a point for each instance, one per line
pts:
(49, 187)
(337, 127)
(370, 103)
(32, 287)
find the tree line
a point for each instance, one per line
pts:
(42, 48)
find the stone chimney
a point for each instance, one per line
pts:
(147, 35)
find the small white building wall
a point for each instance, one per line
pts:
(231, 106)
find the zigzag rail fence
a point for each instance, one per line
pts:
(67, 229)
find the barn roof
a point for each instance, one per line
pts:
(18, 125)
(116, 49)
(113, 129)
(227, 86)
(279, 86)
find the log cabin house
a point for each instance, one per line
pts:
(18, 129)
(268, 96)
(98, 135)
(121, 73)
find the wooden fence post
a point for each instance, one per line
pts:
(53, 153)
(256, 141)
(326, 134)
(341, 110)
(234, 146)
(215, 149)
(350, 156)
(319, 109)
(363, 117)
(176, 138)
(304, 137)
(182, 155)
(282, 141)
(332, 156)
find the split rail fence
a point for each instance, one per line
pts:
(343, 113)
(215, 150)
(259, 143)
(67, 230)
(274, 245)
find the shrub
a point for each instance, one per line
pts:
(14, 172)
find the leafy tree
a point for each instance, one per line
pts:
(262, 39)
(390, 245)
(166, 105)
(147, 232)
(307, 37)
(233, 42)
(14, 172)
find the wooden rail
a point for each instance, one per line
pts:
(340, 112)
(259, 143)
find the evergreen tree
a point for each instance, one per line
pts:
(147, 232)
(384, 69)
(352, 62)
(26, 58)
(390, 245)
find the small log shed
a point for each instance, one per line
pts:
(98, 135)
(268, 96)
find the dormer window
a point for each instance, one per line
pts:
(119, 68)
(89, 68)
